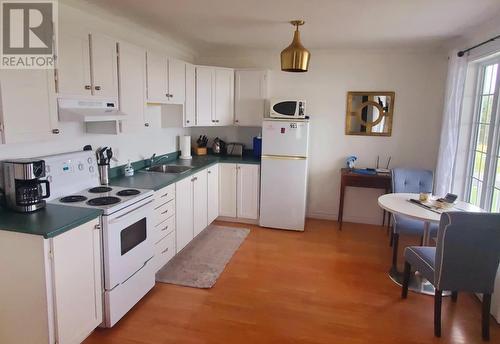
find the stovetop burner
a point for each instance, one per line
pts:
(128, 192)
(73, 199)
(100, 189)
(100, 201)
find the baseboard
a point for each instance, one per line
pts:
(236, 219)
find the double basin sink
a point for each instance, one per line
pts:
(169, 169)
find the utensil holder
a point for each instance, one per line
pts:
(104, 174)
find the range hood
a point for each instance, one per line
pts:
(89, 110)
(99, 116)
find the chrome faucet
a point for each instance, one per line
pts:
(153, 160)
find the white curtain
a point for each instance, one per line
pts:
(457, 71)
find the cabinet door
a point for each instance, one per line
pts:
(28, 110)
(200, 199)
(157, 78)
(190, 102)
(73, 64)
(132, 79)
(184, 212)
(176, 81)
(77, 282)
(248, 191)
(104, 66)
(205, 87)
(213, 193)
(224, 96)
(250, 97)
(227, 190)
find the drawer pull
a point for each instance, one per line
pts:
(164, 229)
(164, 251)
(164, 212)
(165, 195)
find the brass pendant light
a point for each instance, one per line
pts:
(295, 58)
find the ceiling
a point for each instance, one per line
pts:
(262, 24)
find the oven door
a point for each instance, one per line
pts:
(127, 241)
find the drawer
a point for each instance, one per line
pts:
(164, 251)
(164, 195)
(164, 211)
(163, 229)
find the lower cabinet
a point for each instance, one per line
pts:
(54, 284)
(239, 191)
(165, 227)
(191, 213)
(213, 193)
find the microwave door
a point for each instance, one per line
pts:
(286, 109)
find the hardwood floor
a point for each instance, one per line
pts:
(320, 286)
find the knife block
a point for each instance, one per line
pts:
(200, 151)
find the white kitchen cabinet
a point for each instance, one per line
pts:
(200, 207)
(205, 96)
(213, 193)
(87, 66)
(54, 284)
(22, 120)
(190, 95)
(248, 190)
(239, 191)
(166, 79)
(184, 212)
(250, 97)
(224, 96)
(73, 64)
(227, 190)
(132, 85)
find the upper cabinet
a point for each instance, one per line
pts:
(166, 79)
(132, 85)
(87, 65)
(214, 96)
(28, 108)
(190, 103)
(250, 97)
(224, 96)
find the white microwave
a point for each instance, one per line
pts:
(288, 109)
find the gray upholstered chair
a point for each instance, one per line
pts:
(406, 180)
(465, 259)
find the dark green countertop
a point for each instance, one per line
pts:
(47, 222)
(155, 181)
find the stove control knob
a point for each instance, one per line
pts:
(91, 169)
(81, 167)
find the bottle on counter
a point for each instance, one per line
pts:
(129, 170)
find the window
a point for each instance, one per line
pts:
(483, 182)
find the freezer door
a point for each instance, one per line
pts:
(289, 138)
(283, 192)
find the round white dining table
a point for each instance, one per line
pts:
(399, 204)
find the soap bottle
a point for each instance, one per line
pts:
(129, 170)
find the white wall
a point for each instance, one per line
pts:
(418, 78)
(79, 15)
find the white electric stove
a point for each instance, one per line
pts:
(126, 222)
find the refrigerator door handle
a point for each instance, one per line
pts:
(284, 157)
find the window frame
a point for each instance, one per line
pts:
(493, 148)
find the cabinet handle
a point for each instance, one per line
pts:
(165, 195)
(146, 124)
(164, 229)
(217, 121)
(187, 121)
(97, 227)
(87, 87)
(209, 172)
(164, 212)
(236, 121)
(55, 131)
(97, 88)
(164, 251)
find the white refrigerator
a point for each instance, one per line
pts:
(284, 173)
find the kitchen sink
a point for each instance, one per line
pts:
(169, 168)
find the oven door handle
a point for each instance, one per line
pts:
(131, 210)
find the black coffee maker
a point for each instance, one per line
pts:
(23, 187)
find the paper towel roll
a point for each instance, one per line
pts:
(185, 145)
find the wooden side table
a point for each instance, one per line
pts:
(375, 181)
